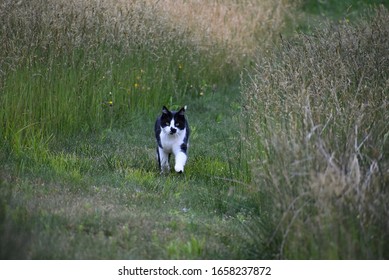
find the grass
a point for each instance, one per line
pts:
(81, 84)
(106, 197)
(317, 119)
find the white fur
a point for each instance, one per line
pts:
(180, 161)
(171, 143)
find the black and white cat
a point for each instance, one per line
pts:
(172, 134)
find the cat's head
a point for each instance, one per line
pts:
(173, 122)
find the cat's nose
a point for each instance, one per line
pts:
(173, 130)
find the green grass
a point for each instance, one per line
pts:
(314, 12)
(289, 163)
(104, 197)
(66, 80)
(339, 9)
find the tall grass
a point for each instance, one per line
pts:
(71, 66)
(238, 26)
(317, 140)
(68, 66)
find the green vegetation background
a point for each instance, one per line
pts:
(289, 145)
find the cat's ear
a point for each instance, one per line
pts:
(165, 110)
(182, 110)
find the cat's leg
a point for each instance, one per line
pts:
(163, 160)
(180, 161)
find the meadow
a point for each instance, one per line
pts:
(288, 107)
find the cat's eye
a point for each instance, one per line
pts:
(167, 123)
(177, 124)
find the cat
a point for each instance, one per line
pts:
(172, 135)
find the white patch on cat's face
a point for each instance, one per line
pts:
(171, 128)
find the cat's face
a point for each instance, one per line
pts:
(173, 122)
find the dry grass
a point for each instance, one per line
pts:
(318, 118)
(238, 25)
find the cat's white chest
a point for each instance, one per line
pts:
(172, 142)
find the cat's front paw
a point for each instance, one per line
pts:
(179, 169)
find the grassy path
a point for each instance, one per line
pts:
(101, 196)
